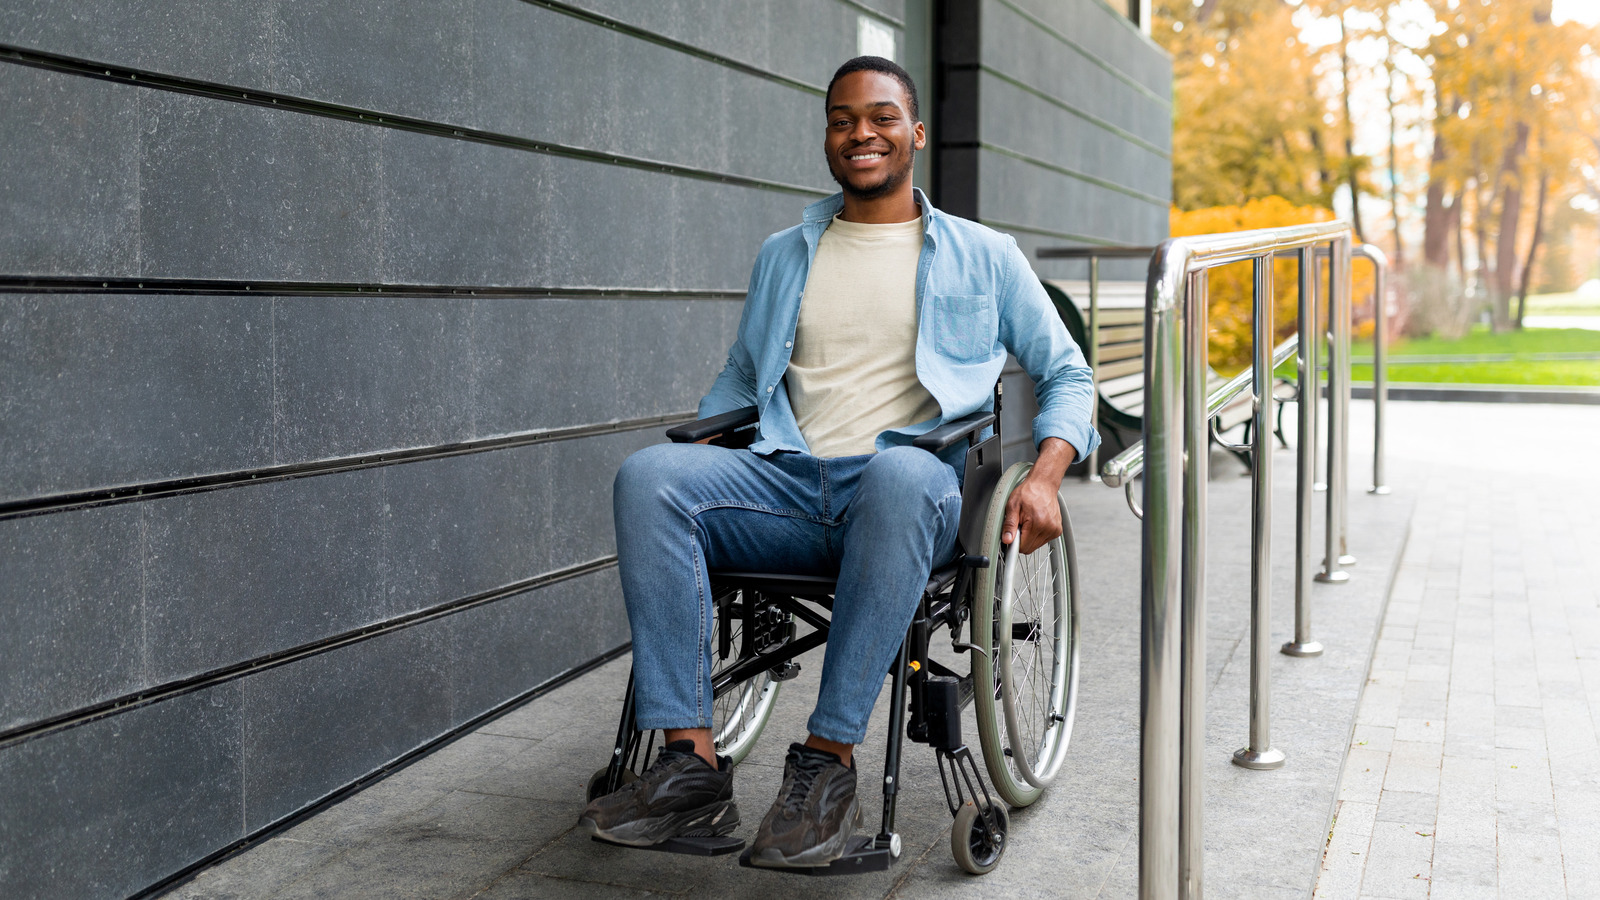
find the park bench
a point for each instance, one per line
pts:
(1119, 375)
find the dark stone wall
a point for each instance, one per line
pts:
(324, 326)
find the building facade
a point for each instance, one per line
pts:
(325, 325)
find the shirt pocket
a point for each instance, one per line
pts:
(965, 326)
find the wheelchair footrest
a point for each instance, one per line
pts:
(690, 846)
(859, 859)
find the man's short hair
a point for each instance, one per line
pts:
(878, 64)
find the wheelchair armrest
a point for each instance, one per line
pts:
(949, 433)
(714, 426)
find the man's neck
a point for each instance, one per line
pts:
(900, 206)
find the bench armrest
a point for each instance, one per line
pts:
(945, 435)
(714, 426)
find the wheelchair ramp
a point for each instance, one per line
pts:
(491, 815)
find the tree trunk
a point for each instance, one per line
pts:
(1394, 179)
(1505, 250)
(1457, 226)
(1533, 247)
(1436, 218)
(1349, 129)
(1481, 239)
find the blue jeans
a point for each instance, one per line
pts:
(880, 522)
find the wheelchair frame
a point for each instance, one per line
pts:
(769, 607)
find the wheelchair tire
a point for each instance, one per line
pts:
(740, 712)
(970, 844)
(1025, 612)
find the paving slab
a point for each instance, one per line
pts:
(1504, 567)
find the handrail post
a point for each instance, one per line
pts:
(1094, 361)
(1338, 414)
(1160, 576)
(1380, 360)
(1305, 453)
(1196, 476)
(1260, 754)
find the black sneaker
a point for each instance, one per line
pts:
(811, 822)
(678, 796)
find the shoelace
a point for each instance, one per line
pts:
(663, 757)
(806, 770)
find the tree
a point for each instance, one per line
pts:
(1238, 133)
(1513, 110)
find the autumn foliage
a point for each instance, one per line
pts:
(1231, 286)
(1491, 110)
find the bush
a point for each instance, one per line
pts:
(1231, 285)
(1436, 304)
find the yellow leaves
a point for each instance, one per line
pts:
(1231, 286)
(1248, 121)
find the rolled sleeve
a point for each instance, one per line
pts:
(1033, 332)
(735, 386)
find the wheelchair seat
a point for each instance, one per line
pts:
(820, 588)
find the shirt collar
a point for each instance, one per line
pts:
(823, 211)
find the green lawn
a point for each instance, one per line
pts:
(1568, 304)
(1520, 345)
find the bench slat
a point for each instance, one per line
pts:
(1113, 334)
(1114, 352)
(1122, 367)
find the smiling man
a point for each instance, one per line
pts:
(875, 320)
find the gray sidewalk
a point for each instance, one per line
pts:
(491, 815)
(1474, 769)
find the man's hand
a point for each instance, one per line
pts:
(1032, 508)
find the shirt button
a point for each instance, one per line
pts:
(788, 344)
(769, 388)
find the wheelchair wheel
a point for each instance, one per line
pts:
(974, 848)
(1025, 611)
(740, 711)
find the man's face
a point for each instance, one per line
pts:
(870, 137)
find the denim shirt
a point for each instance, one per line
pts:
(976, 299)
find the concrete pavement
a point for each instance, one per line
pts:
(1474, 769)
(491, 814)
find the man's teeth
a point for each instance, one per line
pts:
(868, 156)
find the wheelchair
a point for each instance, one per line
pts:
(1020, 615)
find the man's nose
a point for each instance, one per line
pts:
(862, 132)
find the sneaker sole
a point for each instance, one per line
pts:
(823, 854)
(708, 821)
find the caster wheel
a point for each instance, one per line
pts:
(970, 843)
(597, 781)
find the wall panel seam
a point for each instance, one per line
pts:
(251, 838)
(1047, 232)
(1086, 116)
(1128, 23)
(1083, 51)
(688, 49)
(1073, 173)
(875, 13)
(155, 490)
(271, 100)
(89, 284)
(148, 696)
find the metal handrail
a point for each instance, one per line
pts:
(1173, 512)
(1130, 462)
(1380, 351)
(1174, 463)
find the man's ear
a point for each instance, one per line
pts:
(922, 137)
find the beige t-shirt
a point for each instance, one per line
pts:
(853, 371)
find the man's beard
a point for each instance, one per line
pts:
(884, 188)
